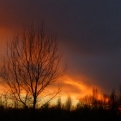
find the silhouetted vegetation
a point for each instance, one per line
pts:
(90, 108)
(31, 64)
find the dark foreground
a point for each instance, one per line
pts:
(55, 114)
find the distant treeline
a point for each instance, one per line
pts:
(90, 108)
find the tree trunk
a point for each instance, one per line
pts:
(34, 102)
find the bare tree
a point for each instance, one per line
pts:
(32, 64)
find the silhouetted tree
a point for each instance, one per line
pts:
(31, 64)
(59, 103)
(105, 101)
(119, 100)
(68, 104)
(113, 102)
(94, 97)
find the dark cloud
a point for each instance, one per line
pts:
(90, 32)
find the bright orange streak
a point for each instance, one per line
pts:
(75, 87)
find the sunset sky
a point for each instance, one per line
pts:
(89, 32)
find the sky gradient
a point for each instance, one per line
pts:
(89, 32)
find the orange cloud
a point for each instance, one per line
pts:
(74, 87)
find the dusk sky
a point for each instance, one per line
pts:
(89, 32)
